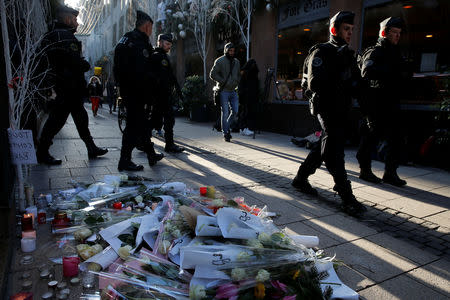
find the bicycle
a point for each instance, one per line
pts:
(121, 114)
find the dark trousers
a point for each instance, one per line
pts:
(163, 116)
(58, 116)
(136, 130)
(382, 129)
(330, 150)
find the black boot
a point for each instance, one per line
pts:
(173, 148)
(391, 177)
(128, 165)
(93, 150)
(349, 204)
(303, 186)
(43, 157)
(152, 156)
(227, 137)
(366, 174)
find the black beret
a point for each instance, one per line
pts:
(165, 37)
(392, 22)
(142, 17)
(342, 17)
(63, 9)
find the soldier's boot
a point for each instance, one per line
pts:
(93, 150)
(227, 137)
(173, 148)
(390, 176)
(366, 174)
(44, 157)
(125, 163)
(349, 204)
(152, 156)
(301, 183)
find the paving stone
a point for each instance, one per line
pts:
(436, 245)
(352, 278)
(435, 275)
(401, 287)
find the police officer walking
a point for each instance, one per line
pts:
(383, 72)
(162, 110)
(134, 76)
(66, 76)
(330, 73)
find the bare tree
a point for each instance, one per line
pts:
(23, 27)
(240, 12)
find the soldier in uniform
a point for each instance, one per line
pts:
(383, 71)
(331, 75)
(162, 111)
(134, 77)
(66, 76)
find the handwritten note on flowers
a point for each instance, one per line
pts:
(22, 147)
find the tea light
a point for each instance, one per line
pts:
(74, 281)
(44, 274)
(26, 260)
(28, 244)
(117, 205)
(70, 266)
(52, 284)
(29, 234)
(26, 275)
(27, 284)
(27, 222)
(48, 295)
(203, 190)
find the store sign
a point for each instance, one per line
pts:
(303, 12)
(22, 147)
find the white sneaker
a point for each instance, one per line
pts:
(248, 132)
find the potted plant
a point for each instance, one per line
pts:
(196, 104)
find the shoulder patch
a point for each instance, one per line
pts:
(123, 40)
(74, 47)
(165, 63)
(317, 62)
(368, 63)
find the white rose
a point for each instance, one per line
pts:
(254, 243)
(262, 276)
(197, 292)
(264, 238)
(243, 256)
(238, 274)
(124, 251)
(138, 199)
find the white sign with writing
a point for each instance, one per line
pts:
(303, 12)
(22, 147)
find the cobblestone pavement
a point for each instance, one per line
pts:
(400, 249)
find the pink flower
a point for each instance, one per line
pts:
(293, 297)
(227, 291)
(278, 285)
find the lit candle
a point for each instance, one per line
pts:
(27, 222)
(32, 210)
(117, 205)
(203, 190)
(28, 244)
(29, 234)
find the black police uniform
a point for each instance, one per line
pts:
(66, 75)
(134, 76)
(383, 71)
(332, 78)
(162, 110)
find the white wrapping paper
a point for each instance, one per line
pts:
(207, 226)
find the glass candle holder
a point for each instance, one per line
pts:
(27, 222)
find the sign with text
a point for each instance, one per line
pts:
(22, 147)
(303, 12)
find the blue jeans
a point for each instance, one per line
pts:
(228, 100)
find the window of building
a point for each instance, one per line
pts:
(293, 46)
(425, 44)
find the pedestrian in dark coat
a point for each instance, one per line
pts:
(248, 97)
(111, 92)
(383, 70)
(95, 93)
(162, 109)
(137, 83)
(66, 75)
(332, 75)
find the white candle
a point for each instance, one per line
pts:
(29, 234)
(28, 244)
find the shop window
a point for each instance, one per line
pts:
(425, 44)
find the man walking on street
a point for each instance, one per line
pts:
(162, 110)
(134, 76)
(226, 73)
(66, 75)
(330, 74)
(383, 72)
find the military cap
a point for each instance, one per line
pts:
(165, 37)
(63, 9)
(342, 17)
(142, 17)
(392, 22)
(227, 47)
